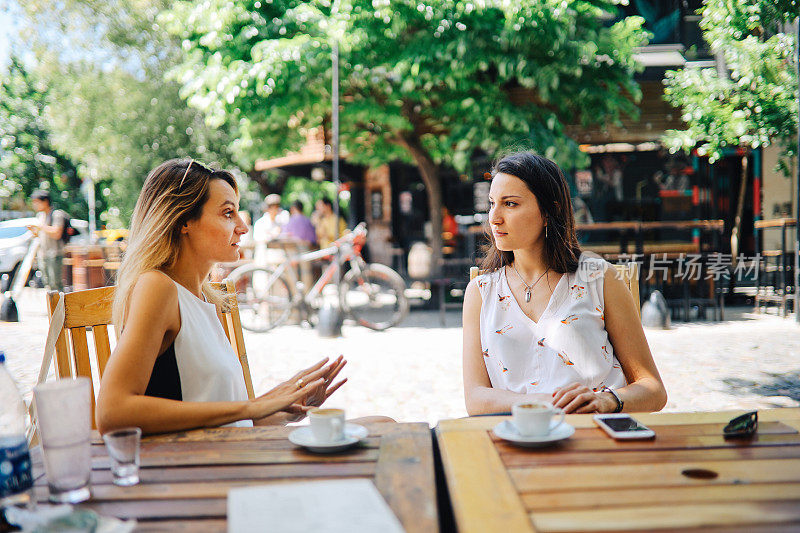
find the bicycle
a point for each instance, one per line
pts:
(372, 294)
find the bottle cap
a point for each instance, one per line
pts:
(2, 358)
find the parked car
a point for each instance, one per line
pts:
(15, 238)
(14, 241)
(112, 235)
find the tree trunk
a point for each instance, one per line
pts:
(433, 186)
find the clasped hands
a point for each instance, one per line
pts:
(578, 398)
(305, 390)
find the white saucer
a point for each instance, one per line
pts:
(507, 431)
(302, 436)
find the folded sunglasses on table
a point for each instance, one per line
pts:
(744, 425)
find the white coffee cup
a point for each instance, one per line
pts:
(533, 419)
(327, 425)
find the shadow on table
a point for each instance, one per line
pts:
(783, 384)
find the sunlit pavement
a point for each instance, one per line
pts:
(413, 372)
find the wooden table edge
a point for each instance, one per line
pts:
(788, 415)
(482, 494)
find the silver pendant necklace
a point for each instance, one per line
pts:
(528, 288)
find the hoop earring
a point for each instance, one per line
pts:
(545, 232)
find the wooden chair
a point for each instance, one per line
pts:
(91, 310)
(629, 272)
(232, 325)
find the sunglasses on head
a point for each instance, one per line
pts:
(742, 426)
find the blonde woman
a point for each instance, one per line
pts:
(546, 322)
(173, 367)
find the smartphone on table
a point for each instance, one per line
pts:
(622, 426)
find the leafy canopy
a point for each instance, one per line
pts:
(443, 77)
(29, 158)
(111, 108)
(755, 103)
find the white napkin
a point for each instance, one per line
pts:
(338, 506)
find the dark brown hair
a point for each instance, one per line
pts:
(546, 181)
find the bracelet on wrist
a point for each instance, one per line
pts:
(613, 393)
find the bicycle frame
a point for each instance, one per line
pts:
(349, 251)
(364, 290)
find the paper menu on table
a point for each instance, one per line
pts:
(346, 506)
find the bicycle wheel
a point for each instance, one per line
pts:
(375, 298)
(265, 300)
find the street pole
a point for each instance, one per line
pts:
(335, 148)
(797, 186)
(329, 322)
(90, 199)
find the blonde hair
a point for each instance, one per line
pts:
(173, 193)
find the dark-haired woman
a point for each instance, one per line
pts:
(545, 322)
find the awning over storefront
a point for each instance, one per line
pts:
(315, 150)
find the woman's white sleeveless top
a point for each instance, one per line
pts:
(208, 367)
(568, 344)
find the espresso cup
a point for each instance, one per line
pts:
(327, 425)
(533, 419)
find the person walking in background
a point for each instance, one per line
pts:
(268, 228)
(50, 229)
(326, 223)
(299, 226)
(271, 224)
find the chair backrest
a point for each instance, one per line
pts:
(87, 309)
(232, 325)
(629, 272)
(91, 310)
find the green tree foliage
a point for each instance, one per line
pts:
(113, 109)
(29, 158)
(147, 124)
(754, 102)
(426, 82)
(309, 191)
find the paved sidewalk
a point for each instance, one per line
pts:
(413, 372)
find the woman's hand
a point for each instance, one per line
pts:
(322, 393)
(289, 395)
(284, 397)
(577, 398)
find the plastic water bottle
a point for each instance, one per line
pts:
(15, 461)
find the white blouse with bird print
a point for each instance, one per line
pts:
(568, 344)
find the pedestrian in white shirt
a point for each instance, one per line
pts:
(269, 227)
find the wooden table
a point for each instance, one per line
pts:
(637, 229)
(593, 483)
(775, 223)
(185, 477)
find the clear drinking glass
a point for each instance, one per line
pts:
(63, 414)
(123, 449)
